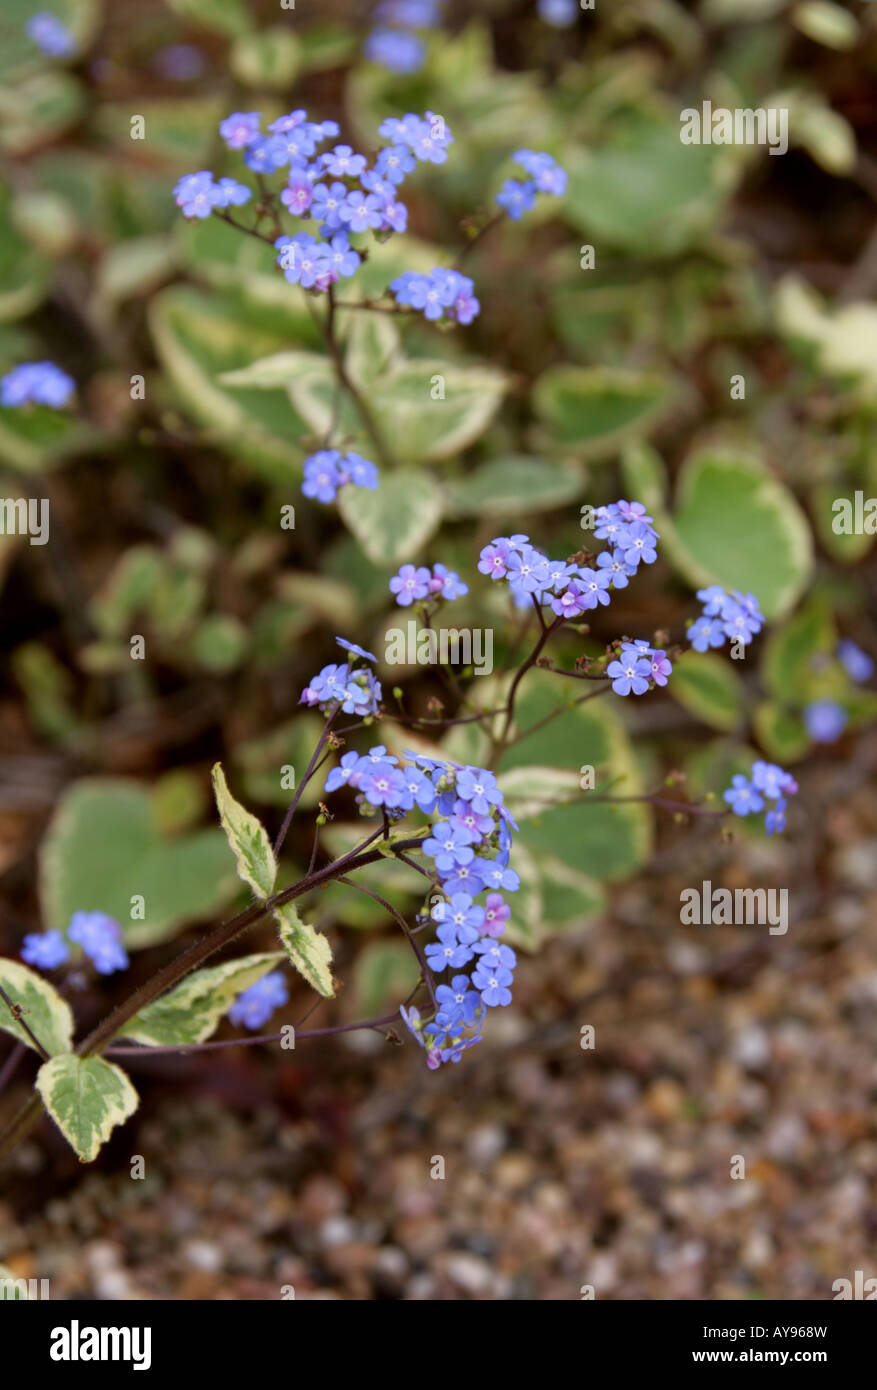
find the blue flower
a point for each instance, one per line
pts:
(46, 950)
(447, 584)
(266, 154)
(630, 674)
(51, 35)
(357, 651)
(560, 14)
(196, 195)
(549, 176)
(825, 720)
(742, 797)
(254, 1006)
(342, 258)
(240, 129)
(322, 476)
(360, 211)
(706, 632)
(516, 198)
(348, 774)
(419, 790)
(394, 163)
(342, 162)
(637, 543)
(593, 585)
(100, 937)
(495, 875)
(479, 788)
(410, 584)
(447, 952)
(857, 664)
(493, 984)
(230, 193)
(613, 562)
(395, 50)
(326, 687)
(383, 785)
(327, 202)
(775, 819)
(459, 995)
(463, 915)
(37, 383)
(495, 953)
(469, 824)
(769, 779)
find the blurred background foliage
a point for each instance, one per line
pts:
(575, 385)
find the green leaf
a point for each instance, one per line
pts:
(781, 732)
(791, 653)
(431, 408)
(371, 349)
(392, 522)
(645, 192)
(830, 25)
(86, 1097)
(45, 1012)
(25, 270)
(219, 643)
(191, 1012)
(198, 338)
(228, 17)
(512, 485)
(599, 839)
(707, 685)
(736, 525)
(35, 438)
(569, 897)
(269, 59)
(307, 948)
(247, 838)
(38, 108)
(103, 847)
(592, 410)
(529, 790)
(384, 974)
(843, 341)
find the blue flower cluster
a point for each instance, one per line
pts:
(573, 589)
(470, 846)
(51, 35)
(99, 936)
(766, 782)
(440, 293)
(37, 383)
(391, 44)
(254, 1006)
(637, 667)
(335, 188)
(355, 689)
(546, 176)
(414, 583)
(328, 470)
(726, 614)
